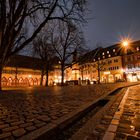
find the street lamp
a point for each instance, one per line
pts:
(125, 43)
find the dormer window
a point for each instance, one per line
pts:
(103, 53)
(107, 52)
(113, 50)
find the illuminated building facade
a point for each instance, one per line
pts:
(112, 64)
(131, 62)
(22, 71)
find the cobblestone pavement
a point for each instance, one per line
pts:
(122, 120)
(25, 110)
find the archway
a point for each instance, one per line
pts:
(36, 81)
(4, 81)
(10, 81)
(26, 81)
(21, 81)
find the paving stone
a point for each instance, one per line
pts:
(107, 117)
(19, 132)
(10, 128)
(101, 128)
(12, 120)
(112, 128)
(4, 126)
(105, 122)
(124, 130)
(92, 137)
(26, 124)
(124, 125)
(37, 121)
(40, 124)
(10, 138)
(1, 123)
(126, 121)
(30, 128)
(109, 136)
(17, 123)
(5, 135)
(115, 121)
(44, 118)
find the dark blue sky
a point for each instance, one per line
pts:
(112, 19)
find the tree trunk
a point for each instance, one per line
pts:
(98, 73)
(41, 80)
(47, 78)
(62, 74)
(1, 76)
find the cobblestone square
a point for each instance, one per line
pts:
(25, 110)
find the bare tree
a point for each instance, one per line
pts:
(16, 15)
(68, 40)
(45, 51)
(99, 63)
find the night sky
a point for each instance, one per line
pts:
(112, 20)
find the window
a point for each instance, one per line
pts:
(103, 53)
(137, 48)
(129, 58)
(103, 56)
(107, 52)
(109, 55)
(110, 61)
(114, 50)
(115, 60)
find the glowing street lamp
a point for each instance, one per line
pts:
(125, 43)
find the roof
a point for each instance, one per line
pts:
(24, 62)
(111, 51)
(29, 62)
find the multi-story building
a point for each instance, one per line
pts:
(131, 62)
(111, 64)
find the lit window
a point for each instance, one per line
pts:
(108, 52)
(103, 56)
(94, 60)
(110, 61)
(98, 58)
(103, 53)
(113, 50)
(137, 48)
(115, 60)
(109, 55)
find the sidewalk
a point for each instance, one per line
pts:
(122, 120)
